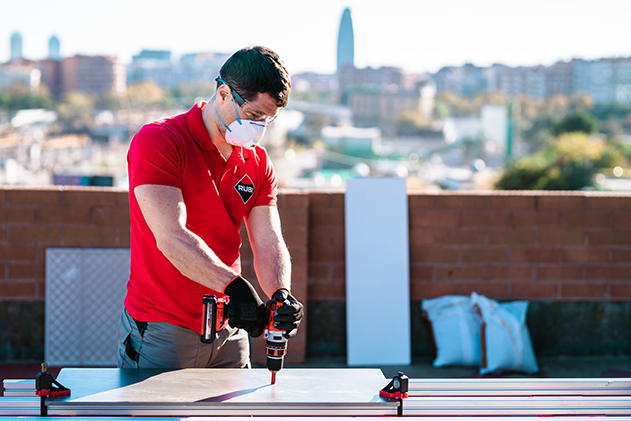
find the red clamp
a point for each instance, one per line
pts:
(397, 388)
(45, 385)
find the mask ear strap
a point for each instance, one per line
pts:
(235, 110)
(224, 124)
(232, 93)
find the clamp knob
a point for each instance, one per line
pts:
(397, 388)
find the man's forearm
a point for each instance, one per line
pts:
(195, 260)
(272, 264)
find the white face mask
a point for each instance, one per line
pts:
(246, 133)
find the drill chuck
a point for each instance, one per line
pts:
(275, 349)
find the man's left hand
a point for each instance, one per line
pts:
(289, 316)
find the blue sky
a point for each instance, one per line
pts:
(417, 35)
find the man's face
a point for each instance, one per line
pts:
(241, 122)
(263, 108)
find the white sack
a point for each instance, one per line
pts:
(456, 329)
(505, 339)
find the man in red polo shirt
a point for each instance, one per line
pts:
(193, 179)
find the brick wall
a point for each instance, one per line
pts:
(506, 245)
(35, 219)
(558, 247)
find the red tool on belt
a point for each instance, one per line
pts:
(216, 318)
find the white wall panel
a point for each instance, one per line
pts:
(377, 272)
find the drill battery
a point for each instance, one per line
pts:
(215, 317)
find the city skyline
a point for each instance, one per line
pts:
(415, 36)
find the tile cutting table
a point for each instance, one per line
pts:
(332, 393)
(219, 392)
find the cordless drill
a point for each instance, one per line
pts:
(275, 342)
(216, 318)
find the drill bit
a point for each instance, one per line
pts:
(273, 377)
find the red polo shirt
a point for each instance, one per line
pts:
(178, 152)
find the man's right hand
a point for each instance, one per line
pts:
(245, 308)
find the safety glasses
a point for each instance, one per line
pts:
(242, 103)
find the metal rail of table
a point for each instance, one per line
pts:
(523, 396)
(520, 387)
(110, 418)
(19, 406)
(320, 392)
(517, 405)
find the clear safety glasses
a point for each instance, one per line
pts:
(248, 110)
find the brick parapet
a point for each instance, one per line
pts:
(35, 219)
(553, 246)
(561, 246)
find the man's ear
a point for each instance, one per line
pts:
(223, 93)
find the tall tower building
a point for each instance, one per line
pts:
(53, 48)
(16, 46)
(345, 42)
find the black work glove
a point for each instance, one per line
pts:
(245, 309)
(288, 316)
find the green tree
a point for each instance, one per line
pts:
(145, 95)
(538, 132)
(557, 105)
(76, 105)
(576, 122)
(448, 103)
(315, 95)
(611, 127)
(454, 104)
(615, 153)
(108, 101)
(187, 96)
(570, 163)
(19, 96)
(409, 121)
(606, 111)
(529, 108)
(581, 102)
(525, 174)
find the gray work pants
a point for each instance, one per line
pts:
(163, 345)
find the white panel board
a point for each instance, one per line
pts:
(377, 272)
(85, 291)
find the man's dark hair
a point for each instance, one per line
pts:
(255, 70)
